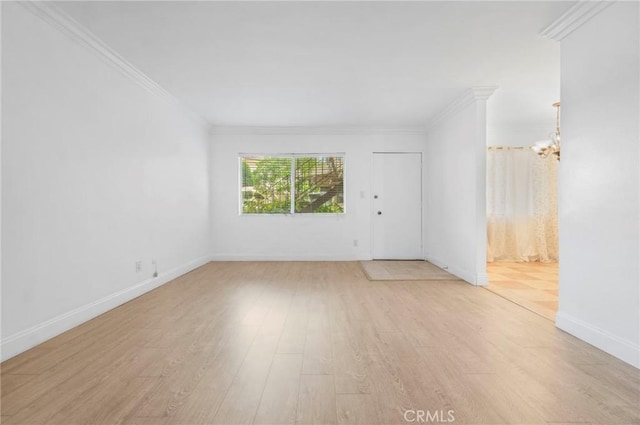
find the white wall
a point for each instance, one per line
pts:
(97, 173)
(523, 134)
(298, 237)
(599, 183)
(455, 203)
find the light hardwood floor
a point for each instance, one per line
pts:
(315, 343)
(533, 286)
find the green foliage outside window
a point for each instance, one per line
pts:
(318, 184)
(266, 185)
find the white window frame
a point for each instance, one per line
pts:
(293, 157)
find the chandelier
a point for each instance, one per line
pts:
(552, 145)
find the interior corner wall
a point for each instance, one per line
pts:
(97, 173)
(599, 299)
(451, 211)
(302, 236)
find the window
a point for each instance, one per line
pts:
(292, 184)
(266, 185)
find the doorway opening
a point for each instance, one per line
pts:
(522, 228)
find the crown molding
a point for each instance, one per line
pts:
(483, 92)
(302, 130)
(471, 95)
(64, 23)
(573, 18)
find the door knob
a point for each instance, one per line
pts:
(375, 196)
(379, 212)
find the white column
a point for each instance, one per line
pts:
(481, 95)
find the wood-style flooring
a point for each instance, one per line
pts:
(533, 286)
(316, 343)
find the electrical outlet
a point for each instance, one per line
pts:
(138, 266)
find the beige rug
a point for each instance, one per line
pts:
(404, 270)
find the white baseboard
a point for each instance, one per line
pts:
(232, 257)
(436, 262)
(482, 279)
(460, 272)
(463, 274)
(618, 347)
(28, 338)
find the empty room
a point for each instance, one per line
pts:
(320, 212)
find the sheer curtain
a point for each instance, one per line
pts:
(522, 210)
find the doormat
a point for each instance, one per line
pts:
(404, 270)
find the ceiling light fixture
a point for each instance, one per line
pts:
(545, 147)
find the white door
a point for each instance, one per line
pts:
(397, 206)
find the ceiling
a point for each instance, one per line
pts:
(357, 64)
